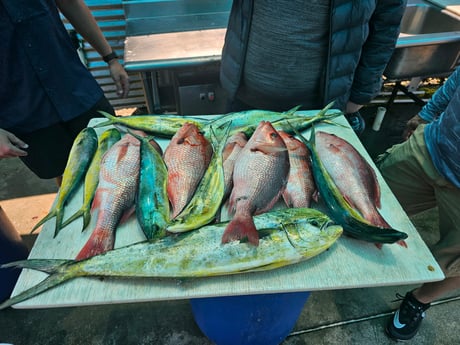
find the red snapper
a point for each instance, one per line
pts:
(259, 177)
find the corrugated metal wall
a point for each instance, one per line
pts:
(111, 19)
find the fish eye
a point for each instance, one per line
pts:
(274, 135)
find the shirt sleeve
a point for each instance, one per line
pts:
(441, 98)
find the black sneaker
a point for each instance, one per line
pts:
(356, 122)
(407, 319)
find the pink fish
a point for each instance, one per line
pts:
(118, 181)
(353, 176)
(301, 185)
(231, 151)
(259, 177)
(186, 157)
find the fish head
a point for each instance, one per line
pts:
(266, 139)
(292, 143)
(237, 140)
(315, 232)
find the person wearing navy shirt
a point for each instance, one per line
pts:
(47, 94)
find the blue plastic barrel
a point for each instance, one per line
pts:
(250, 319)
(11, 248)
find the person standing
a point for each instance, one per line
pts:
(48, 96)
(424, 172)
(282, 53)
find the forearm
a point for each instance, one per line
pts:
(83, 21)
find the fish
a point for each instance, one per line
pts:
(287, 237)
(354, 225)
(207, 199)
(352, 174)
(106, 140)
(259, 177)
(152, 204)
(160, 125)
(247, 121)
(231, 151)
(80, 156)
(115, 194)
(187, 156)
(300, 186)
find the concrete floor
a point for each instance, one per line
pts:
(355, 316)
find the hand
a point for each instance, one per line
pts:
(412, 125)
(120, 77)
(352, 107)
(10, 145)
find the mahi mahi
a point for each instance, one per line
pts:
(354, 224)
(81, 154)
(106, 140)
(286, 237)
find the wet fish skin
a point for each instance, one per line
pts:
(187, 157)
(233, 147)
(259, 177)
(115, 194)
(247, 121)
(80, 156)
(159, 125)
(351, 220)
(106, 140)
(287, 237)
(300, 186)
(152, 204)
(352, 174)
(207, 199)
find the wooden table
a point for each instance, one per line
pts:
(349, 263)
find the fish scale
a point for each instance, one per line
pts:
(187, 156)
(115, 193)
(287, 237)
(259, 176)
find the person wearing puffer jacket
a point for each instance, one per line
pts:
(282, 53)
(424, 172)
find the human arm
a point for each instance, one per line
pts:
(10, 145)
(83, 21)
(384, 27)
(441, 98)
(437, 104)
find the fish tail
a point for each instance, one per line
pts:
(100, 241)
(241, 228)
(58, 225)
(83, 212)
(402, 243)
(54, 267)
(86, 218)
(50, 215)
(111, 119)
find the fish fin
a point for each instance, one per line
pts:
(100, 241)
(292, 111)
(76, 215)
(54, 267)
(97, 200)
(287, 199)
(127, 214)
(241, 228)
(402, 243)
(110, 121)
(50, 215)
(86, 218)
